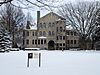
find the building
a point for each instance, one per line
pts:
(50, 34)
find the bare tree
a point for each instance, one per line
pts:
(47, 4)
(12, 19)
(82, 17)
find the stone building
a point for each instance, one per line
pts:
(50, 33)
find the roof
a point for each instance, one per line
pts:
(54, 14)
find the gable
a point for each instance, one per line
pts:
(50, 17)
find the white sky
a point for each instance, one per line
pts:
(33, 11)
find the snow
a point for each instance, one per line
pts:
(42, 37)
(34, 27)
(53, 63)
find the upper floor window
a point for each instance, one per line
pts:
(71, 41)
(61, 29)
(60, 37)
(53, 24)
(63, 37)
(23, 33)
(71, 33)
(44, 25)
(40, 33)
(44, 33)
(27, 41)
(32, 41)
(57, 29)
(49, 33)
(74, 41)
(40, 25)
(57, 38)
(53, 33)
(75, 33)
(33, 33)
(49, 25)
(27, 33)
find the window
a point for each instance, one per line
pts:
(49, 24)
(74, 41)
(23, 33)
(71, 41)
(57, 29)
(57, 44)
(53, 33)
(71, 33)
(49, 33)
(27, 33)
(53, 24)
(63, 44)
(27, 41)
(23, 42)
(33, 33)
(41, 41)
(75, 33)
(33, 42)
(44, 25)
(40, 26)
(60, 37)
(38, 41)
(61, 29)
(44, 41)
(68, 32)
(60, 44)
(44, 33)
(40, 33)
(57, 38)
(63, 37)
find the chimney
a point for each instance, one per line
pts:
(38, 17)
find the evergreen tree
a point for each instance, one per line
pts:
(5, 40)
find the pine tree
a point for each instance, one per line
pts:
(5, 40)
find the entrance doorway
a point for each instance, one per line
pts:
(51, 45)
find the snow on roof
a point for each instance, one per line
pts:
(69, 27)
(42, 37)
(34, 27)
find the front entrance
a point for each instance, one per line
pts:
(51, 45)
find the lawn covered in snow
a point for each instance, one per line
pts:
(52, 63)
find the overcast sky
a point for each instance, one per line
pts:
(33, 11)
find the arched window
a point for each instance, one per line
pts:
(27, 32)
(61, 29)
(44, 25)
(40, 33)
(40, 26)
(53, 33)
(53, 24)
(44, 33)
(49, 33)
(49, 25)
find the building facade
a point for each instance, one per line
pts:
(50, 34)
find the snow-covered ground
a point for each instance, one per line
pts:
(53, 63)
